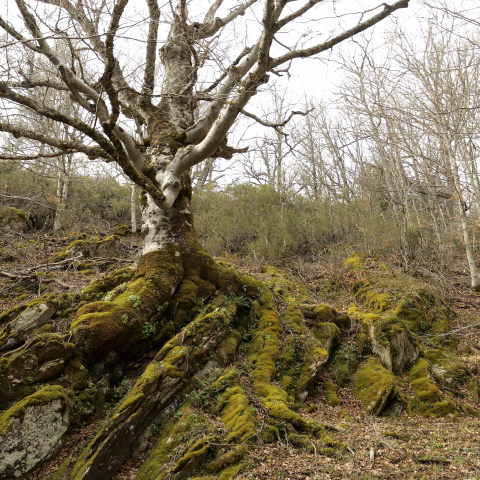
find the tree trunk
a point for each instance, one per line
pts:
(63, 183)
(133, 209)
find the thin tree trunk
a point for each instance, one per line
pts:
(133, 208)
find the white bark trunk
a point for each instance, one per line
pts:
(464, 221)
(166, 227)
(63, 183)
(133, 208)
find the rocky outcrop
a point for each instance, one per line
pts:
(93, 247)
(392, 343)
(32, 431)
(15, 220)
(34, 317)
(375, 387)
(44, 359)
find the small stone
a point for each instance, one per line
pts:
(48, 370)
(34, 317)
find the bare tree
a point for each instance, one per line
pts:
(212, 62)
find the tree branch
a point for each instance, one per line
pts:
(308, 52)
(18, 36)
(275, 125)
(210, 16)
(245, 51)
(209, 29)
(151, 54)
(35, 157)
(289, 18)
(53, 114)
(106, 79)
(38, 83)
(64, 145)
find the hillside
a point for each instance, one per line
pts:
(350, 368)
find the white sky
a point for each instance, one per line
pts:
(308, 77)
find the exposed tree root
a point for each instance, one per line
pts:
(223, 362)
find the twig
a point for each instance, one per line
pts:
(25, 345)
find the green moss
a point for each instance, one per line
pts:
(324, 313)
(419, 370)
(302, 441)
(413, 313)
(284, 285)
(330, 393)
(429, 401)
(76, 373)
(374, 301)
(61, 472)
(474, 388)
(264, 351)
(329, 441)
(237, 415)
(59, 302)
(91, 247)
(98, 327)
(97, 289)
(343, 364)
(375, 386)
(328, 334)
(232, 457)
(446, 367)
(354, 261)
(346, 416)
(42, 397)
(270, 434)
(232, 472)
(362, 342)
(122, 230)
(176, 432)
(10, 216)
(196, 454)
(21, 297)
(426, 390)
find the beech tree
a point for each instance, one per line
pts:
(158, 117)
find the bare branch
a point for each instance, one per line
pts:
(210, 16)
(35, 157)
(275, 125)
(225, 73)
(106, 79)
(289, 18)
(207, 30)
(53, 114)
(64, 145)
(308, 52)
(38, 83)
(151, 54)
(33, 27)
(9, 29)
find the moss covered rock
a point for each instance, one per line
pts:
(331, 393)
(446, 367)
(429, 401)
(94, 247)
(32, 431)
(33, 365)
(375, 387)
(391, 341)
(15, 219)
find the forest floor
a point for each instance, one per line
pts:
(407, 446)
